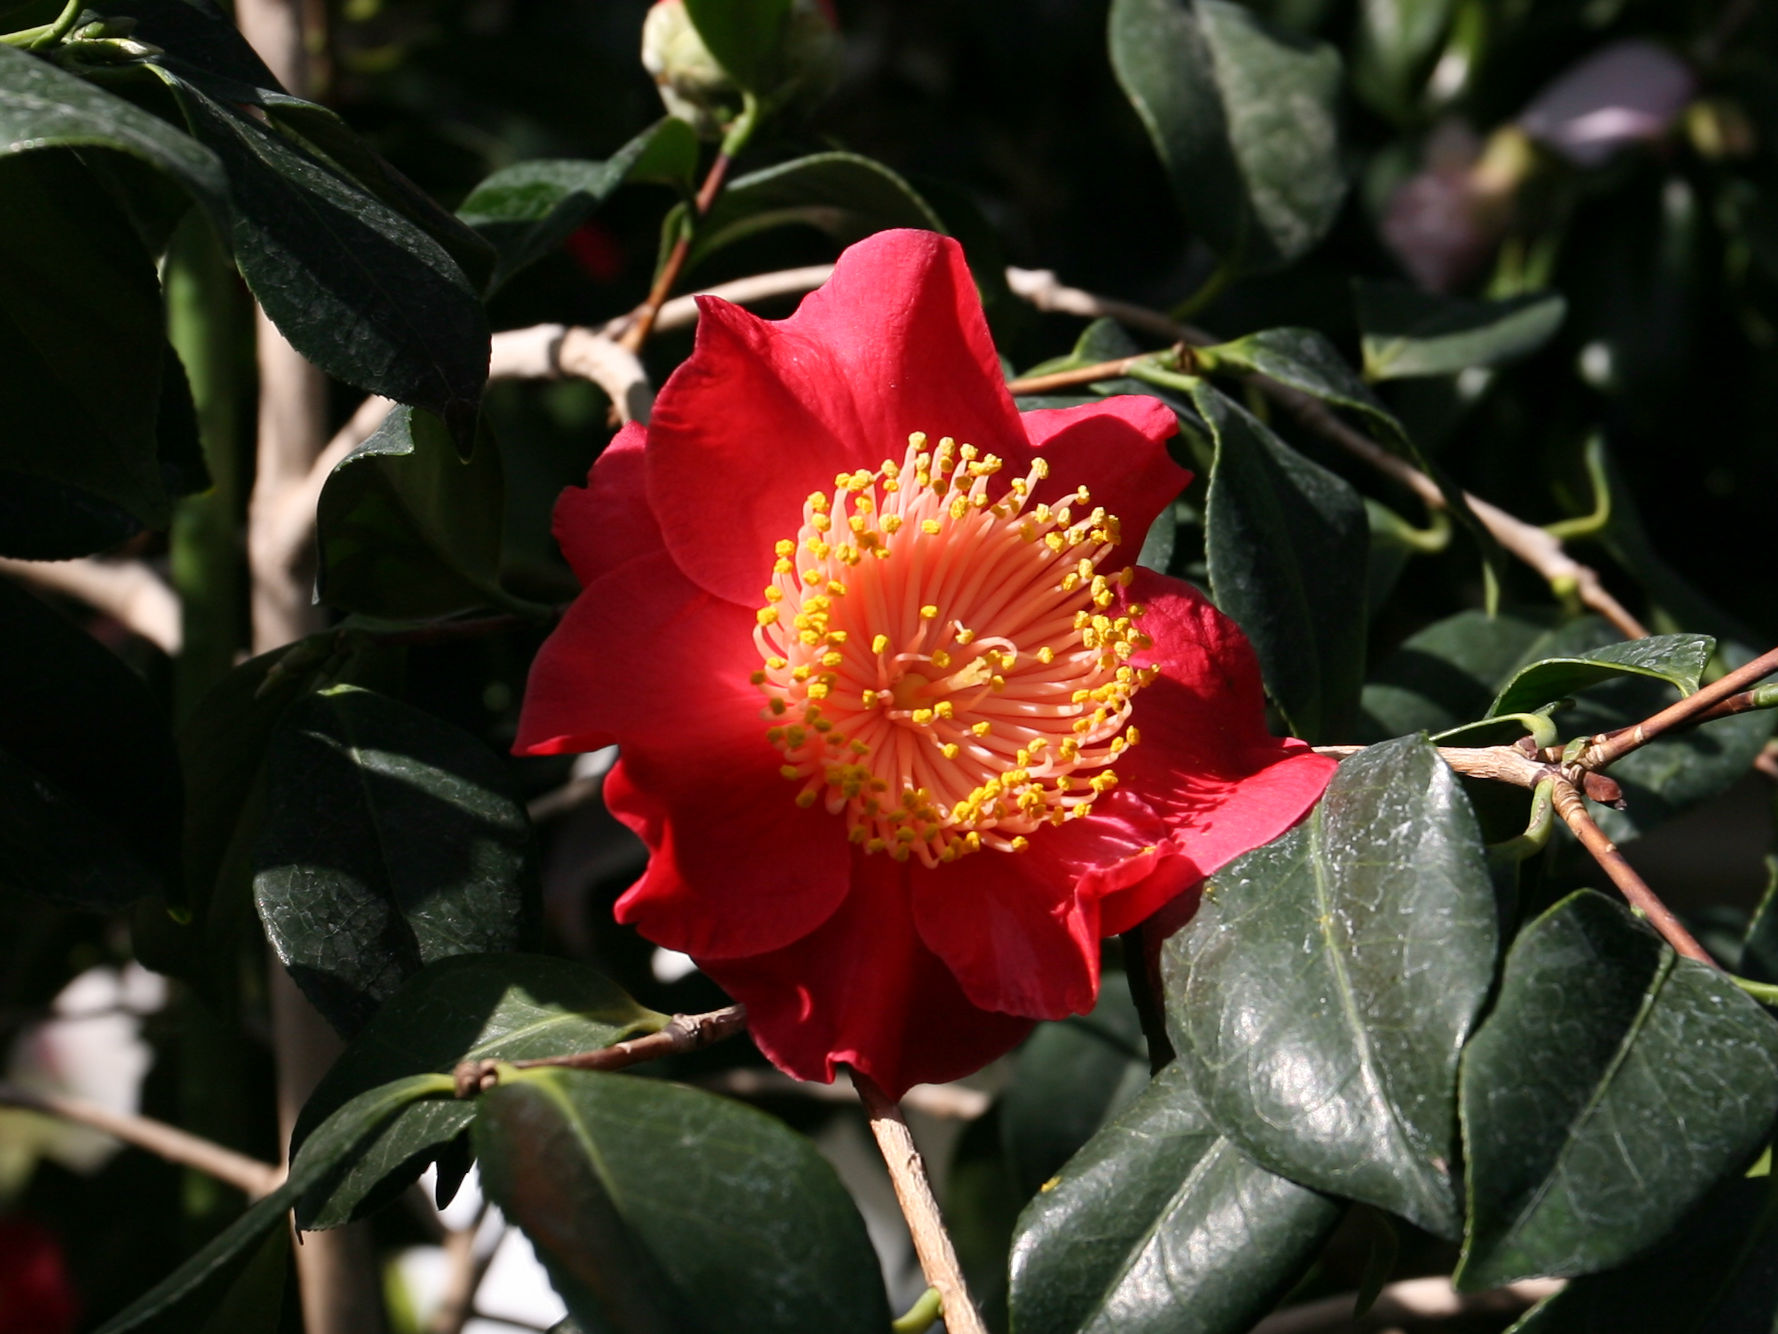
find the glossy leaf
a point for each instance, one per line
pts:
(331, 1144)
(1408, 332)
(1328, 981)
(1244, 119)
(356, 288)
(659, 1207)
(1286, 542)
(508, 1007)
(528, 209)
(1162, 1224)
(1070, 1078)
(389, 841)
(1612, 1086)
(745, 36)
(842, 194)
(407, 529)
(1677, 659)
(89, 782)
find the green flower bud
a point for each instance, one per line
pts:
(699, 91)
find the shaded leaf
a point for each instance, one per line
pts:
(1329, 979)
(1612, 1086)
(1287, 543)
(1162, 1224)
(89, 782)
(842, 194)
(1243, 117)
(1305, 360)
(508, 1007)
(526, 210)
(659, 1207)
(406, 529)
(745, 36)
(389, 841)
(1677, 659)
(1407, 332)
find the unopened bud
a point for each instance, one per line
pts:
(698, 90)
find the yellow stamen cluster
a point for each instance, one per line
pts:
(944, 664)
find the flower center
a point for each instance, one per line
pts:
(940, 664)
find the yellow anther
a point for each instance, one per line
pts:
(767, 615)
(929, 612)
(878, 643)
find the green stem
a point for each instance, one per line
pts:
(1211, 288)
(921, 1315)
(1156, 374)
(1763, 992)
(48, 34)
(1537, 831)
(1585, 525)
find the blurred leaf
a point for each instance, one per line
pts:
(659, 1207)
(1243, 118)
(1758, 959)
(1677, 659)
(89, 782)
(1162, 1224)
(1070, 1078)
(745, 36)
(1611, 1087)
(333, 1141)
(468, 1007)
(1408, 332)
(528, 209)
(389, 841)
(1327, 983)
(1717, 1273)
(842, 194)
(356, 288)
(1397, 42)
(1287, 543)
(406, 529)
(84, 365)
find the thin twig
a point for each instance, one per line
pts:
(128, 591)
(466, 1264)
(685, 1032)
(1572, 807)
(157, 1137)
(913, 1190)
(1607, 748)
(1504, 764)
(1414, 1299)
(1079, 375)
(550, 351)
(649, 310)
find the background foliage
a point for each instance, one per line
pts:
(1410, 1037)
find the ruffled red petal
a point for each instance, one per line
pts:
(735, 866)
(764, 412)
(863, 990)
(607, 522)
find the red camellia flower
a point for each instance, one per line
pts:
(903, 729)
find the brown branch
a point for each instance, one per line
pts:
(1079, 375)
(1572, 807)
(551, 351)
(649, 310)
(1503, 764)
(1609, 747)
(157, 1137)
(913, 1191)
(685, 1032)
(128, 591)
(1412, 1300)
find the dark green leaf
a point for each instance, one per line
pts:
(407, 530)
(528, 209)
(1162, 1224)
(1612, 1086)
(389, 841)
(1305, 360)
(508, 1007)
(199, 44)
(1243, 118)
(1071, 1078)
(83, 354)
(1677, 659)
(1328, 981)
(333, 1141)
(1409, 332)
(356, 288)
(842, 194)
(43, 107)
(745, 36)
(659, 1207)
(1717, 1273)
(1287, 542)
(89, 782)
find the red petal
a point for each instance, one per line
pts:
(764, 412)
(1117, 449)
(1206, 764)
(607, 522)
(644, 656)
(737, 868)
(864, 991)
